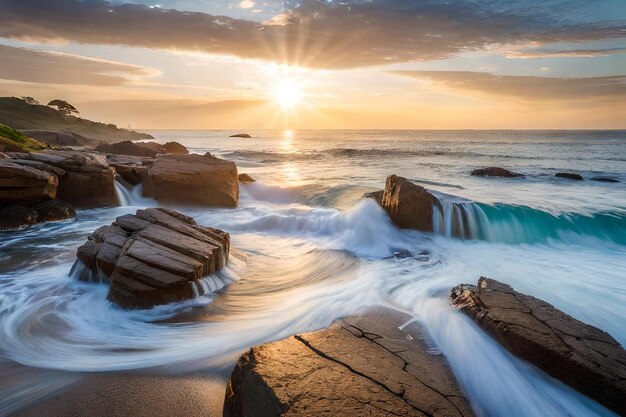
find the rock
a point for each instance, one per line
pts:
(358, 366)
(150, 149)
(604, 179)
(408, 205)
(132, 174)
(14, 217)
(25, 185)
(569, 175)
(193, 179)
(54, 210)
(56, 138)
(245, 178)
(495, 172)
(175, 148)
(375, 195)
(240, 135)
(580, 355)
(89, 181)
(153, 257)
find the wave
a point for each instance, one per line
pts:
(521, 224)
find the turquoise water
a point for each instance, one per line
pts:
(309, 249)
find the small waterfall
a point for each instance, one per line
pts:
(123, 193)
(459, 218)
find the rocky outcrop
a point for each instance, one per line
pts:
(580, 355)
(358, 366)
(156, 256)
(14, 217)
(193, 179)
(56, 138)
(569, 176)
(495, 172)
(241, 135)
(149, 149)
(408, 205)
(25, 185)
(88, 181)
(245, 178)
(54, 211)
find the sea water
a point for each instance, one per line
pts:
(308, 249)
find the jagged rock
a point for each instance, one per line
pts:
(408, 205)
(241, 135)
(580, 355)
(25, 185)
(358, 366)
(245, 178)
(605, 179)
(495, 172)
(53, 211)
(569, 175)
(193, 179)
(153, 257)
(375, 195)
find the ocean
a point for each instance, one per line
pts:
(308, 248)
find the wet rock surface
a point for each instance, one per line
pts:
(408, 205)
(580, 355)
(358, 366)
(193, 179)
(245, 178)
(569, 176)
(495, 172)
(605, 179)
(155, 256)
(241, 135)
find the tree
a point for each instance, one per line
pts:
(63, 106)
(31, 101)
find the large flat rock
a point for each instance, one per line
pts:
(25, 185)
(358, 366)
(582, 356)
(193, 179)
(154, 257)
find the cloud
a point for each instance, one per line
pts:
(19, 64)
(314, 33)
(565, 53)
(246, 4)
(527, 88)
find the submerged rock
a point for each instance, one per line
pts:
(54, 210)
(155, 256)
(408, 205)
(358, 366)
(580, 355)
(495, 172)
(240, 135)
(569, 175)
(193, 179)
(14, 217)
(605, 179)
(245, 178)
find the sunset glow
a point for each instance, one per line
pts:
(287, 94)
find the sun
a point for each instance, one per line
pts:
(287, 94)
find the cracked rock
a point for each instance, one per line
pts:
(582, 356)
(342, 370)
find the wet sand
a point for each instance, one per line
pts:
(104, 395)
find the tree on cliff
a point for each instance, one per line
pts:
(31, 101)
(63, 106)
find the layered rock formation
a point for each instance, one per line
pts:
(495, 172)
(193, 179)
(582, 356)
(408, 205)
(156, 256)
(149, 149)
(358, 366)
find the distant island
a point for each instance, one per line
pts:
(57, 126)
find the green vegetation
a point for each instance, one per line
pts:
(12, 140)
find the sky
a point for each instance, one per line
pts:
(351, 64)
